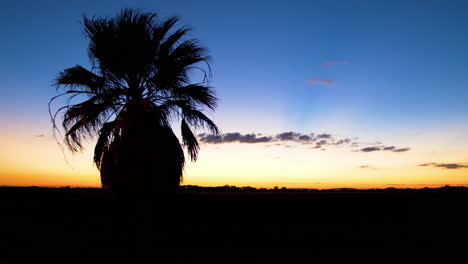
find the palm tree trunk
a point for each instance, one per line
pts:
(143, 169)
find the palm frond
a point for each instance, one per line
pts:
(188, 53)
(174, 69)
(161, 29)
(80, 78)
(199, 94)
(122, 46)
(170, 42)
(83, 121)
(189, 140)
(106, 136)
(197, 119)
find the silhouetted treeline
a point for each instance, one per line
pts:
(232, 188)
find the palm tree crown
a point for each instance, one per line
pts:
(138, 86)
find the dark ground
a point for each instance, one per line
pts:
(81, 222)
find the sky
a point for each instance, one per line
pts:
(313, 94)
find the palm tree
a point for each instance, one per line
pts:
(139, 85)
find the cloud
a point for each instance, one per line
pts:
(331, 63)
(320, 139)
(401, 150)
(445, 165)
(291, 136)
(211, 139)
(247, 138)
(305, 138)
(320, 81)
(343, 141)
(370, 149)
(321, 142)
(384, 148)
(252, 138)
(42, 137)
(428, 164)
(317, 141)
(324, 136)
(234, 137)
(368, 167)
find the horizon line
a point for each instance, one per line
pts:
(431, 186)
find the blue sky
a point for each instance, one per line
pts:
(375, 69)
(407, 59)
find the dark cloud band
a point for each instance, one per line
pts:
(384, 148)
(233, 137)
(318, 141)
(445, 165)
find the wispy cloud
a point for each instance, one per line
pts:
(368, 167)
(445, 165)
(343, 141)
(401, 150)
(321, 81)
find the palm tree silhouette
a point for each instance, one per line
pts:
(139, 85)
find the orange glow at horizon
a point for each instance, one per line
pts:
(27, 160)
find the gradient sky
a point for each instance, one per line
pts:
(379, 73)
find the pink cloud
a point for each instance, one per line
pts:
(330, 63)
(320, 81)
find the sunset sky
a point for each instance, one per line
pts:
(313, 94)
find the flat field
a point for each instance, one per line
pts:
(82, 222)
